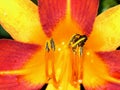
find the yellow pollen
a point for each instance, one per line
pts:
(63, 43)
(80, 81)
(88, 53)
(59, 49)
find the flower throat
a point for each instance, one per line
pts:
(75, 49)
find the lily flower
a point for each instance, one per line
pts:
(59, 42)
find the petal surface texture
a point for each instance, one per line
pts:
(112, 59)
(14, 57)
(21, 20)
(84, 13)
(101, 71)
(51, 12)
(106, 31)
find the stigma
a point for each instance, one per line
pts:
(63, 56)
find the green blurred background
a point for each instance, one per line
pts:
(104, 5)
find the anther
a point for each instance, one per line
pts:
(52, 44)
(77, 41)
(76, 45)
(81, 51)
(47, 47)
(50, 60)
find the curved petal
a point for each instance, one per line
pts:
(112, 59)
(36, 69)
(97, 71)
(21, 20)
(13, 55)
(14, 59)
(106, 31)
(84, 13)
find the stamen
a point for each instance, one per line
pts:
(52, 44)
(46, 64)
(76, 49)
(76, 61)
(78, 42)
(74, 68)
(50, 60)
(47, 47)
(81, 51)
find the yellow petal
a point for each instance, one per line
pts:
(20, 19)
(106, 31)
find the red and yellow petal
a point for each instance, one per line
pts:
(56, 21)
(36, 68)
(20, 19)
(112, 59)
(84, 13)
(97, 72)
(106, 31)
(15, 57)
(61, 23)
(51, 12)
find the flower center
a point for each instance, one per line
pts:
(58, 56)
